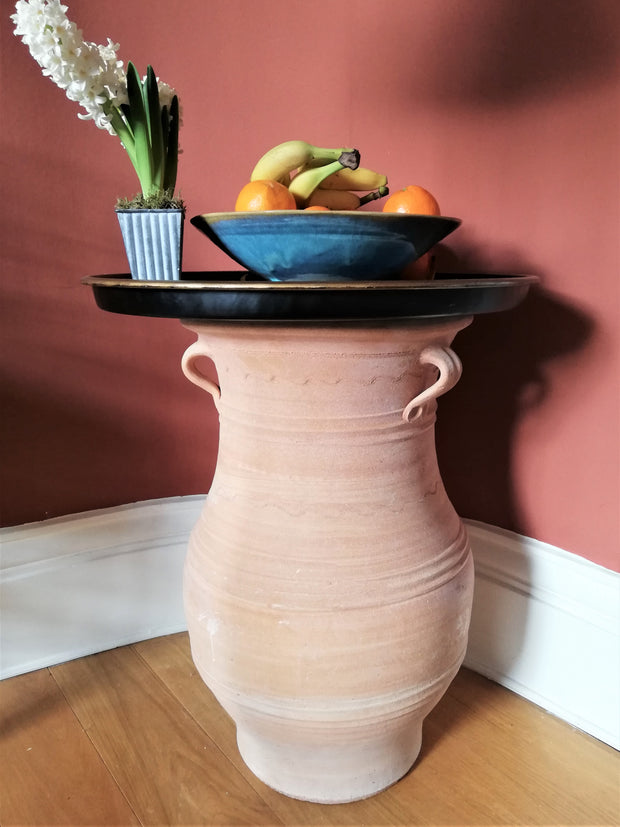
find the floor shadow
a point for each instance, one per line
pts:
(454, 711)
(30, 712)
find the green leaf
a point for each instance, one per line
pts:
(153, 112)
(124, 132)
(165, 128)
(139, 124)
(126, 113)
(172, 151)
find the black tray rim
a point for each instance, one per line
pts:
(233, 295)
(442, 281)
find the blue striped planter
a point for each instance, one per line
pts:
(153, 243)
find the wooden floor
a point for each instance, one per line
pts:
(132, 736)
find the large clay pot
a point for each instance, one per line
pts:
(328, 582)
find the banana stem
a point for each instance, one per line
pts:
(372, 196)
(350, 159)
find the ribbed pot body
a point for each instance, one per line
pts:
(328, 582)
(153, 242)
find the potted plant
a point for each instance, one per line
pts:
(143, 113)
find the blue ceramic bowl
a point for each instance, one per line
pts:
(294, 245)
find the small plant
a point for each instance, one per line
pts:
(149, 131)
(144, 114)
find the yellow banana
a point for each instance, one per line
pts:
(278, 162)
(304, 183)
(343, 199)
(334, 199)
(358, 180)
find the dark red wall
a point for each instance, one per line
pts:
(507, 111)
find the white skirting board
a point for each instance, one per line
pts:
(545, 623)
(77, 585)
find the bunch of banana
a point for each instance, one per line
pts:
(307, 180)
(338, 191)
(316, 168)
(359, 179)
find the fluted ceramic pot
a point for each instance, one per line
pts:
(328, 582)
(153, 242)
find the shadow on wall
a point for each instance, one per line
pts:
(504, 357)
(502, 52)
(508, 353)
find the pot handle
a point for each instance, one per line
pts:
(450, 369)
(190, 370)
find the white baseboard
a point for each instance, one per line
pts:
(76, 585)
(546, 623)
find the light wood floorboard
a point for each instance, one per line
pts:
(50, 773)
(133, 736)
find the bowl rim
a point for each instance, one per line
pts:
(363, 215)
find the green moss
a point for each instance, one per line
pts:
(157, 201)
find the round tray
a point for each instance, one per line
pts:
(240, 295)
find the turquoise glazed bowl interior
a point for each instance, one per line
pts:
(295, 245)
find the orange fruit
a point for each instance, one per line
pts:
(413, 199)
(316, 208)
(422, 269)
(265, 195)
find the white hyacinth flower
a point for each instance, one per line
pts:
(93, 76)
(90, 74)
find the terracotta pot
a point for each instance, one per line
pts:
(328, 582)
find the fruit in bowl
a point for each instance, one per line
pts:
(314, 176)
(412, 200)
(297, 219)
